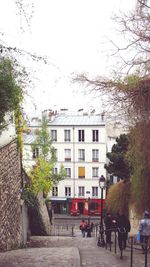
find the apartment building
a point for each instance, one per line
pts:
(80, 145)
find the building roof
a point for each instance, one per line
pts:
(77, 120)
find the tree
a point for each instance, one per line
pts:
(42, 175)
(134, 26)
(128, 93)
(11, 92)
(118, 165)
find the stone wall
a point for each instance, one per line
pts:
(10, 208)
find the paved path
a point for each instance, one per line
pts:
(90, 254)
(41, 257)
(68, 252)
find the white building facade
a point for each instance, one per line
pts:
(80, 144)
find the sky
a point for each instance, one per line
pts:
(73, 35)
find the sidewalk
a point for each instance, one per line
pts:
(50, 251)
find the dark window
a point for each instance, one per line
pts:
(67, 191)
(35, 153)
(55, 191)
(81, 135)
(95, 135)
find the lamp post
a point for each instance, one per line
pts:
(88, 210)
(101, 241)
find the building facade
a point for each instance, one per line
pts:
(80, 146)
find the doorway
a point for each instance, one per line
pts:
(81, 207)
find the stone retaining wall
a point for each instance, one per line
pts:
(10, 208)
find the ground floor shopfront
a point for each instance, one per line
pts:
(76, 206)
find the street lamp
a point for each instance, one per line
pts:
(101, 241)
(88, 210)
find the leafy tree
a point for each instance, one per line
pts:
(118, 165)
(42, 175)
(11, 93)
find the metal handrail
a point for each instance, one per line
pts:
(62, 230)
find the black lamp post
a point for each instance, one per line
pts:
(88, 210)
(101, 241)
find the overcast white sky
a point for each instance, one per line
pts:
(72, 34)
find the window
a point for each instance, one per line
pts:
(55, 191)
(54, 135)
(67, 154)
(55, 171)
(95, 172)
(81, 135)
(67, 137)
(67, 191)
(95, 156)
(35, 153)
(68, 172)
(81, 172)
(95, 191)
(81, 191)
(81, 154)
(95, 135)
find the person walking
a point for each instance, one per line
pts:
(83, 227)
(144, 230)
(89, 229)
(108, 226)
(124, 227)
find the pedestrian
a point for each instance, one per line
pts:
(144, 229)
(108, 227)
(92, 226)
(88, 229)
(83, 227)
(50, 212)
(123, 226)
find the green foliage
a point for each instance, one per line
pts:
(41, 175)
(118, 197)
(43, 141)
(11, 94)
(131, 80)
(139, 157)
(118, 164)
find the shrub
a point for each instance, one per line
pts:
(118, 198)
